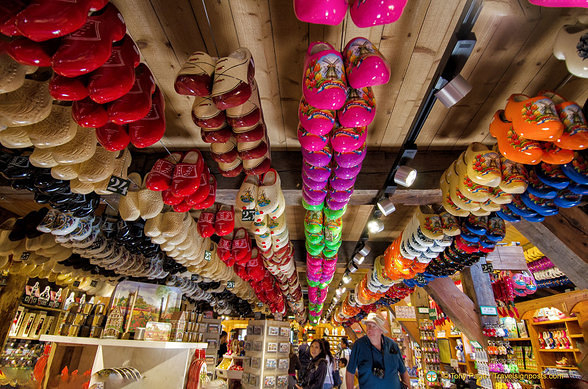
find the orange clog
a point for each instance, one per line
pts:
(511, 145)
(534, 117)
(555, 155)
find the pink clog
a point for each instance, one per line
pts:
(309, 141)
(314, 194)
(316, 121)
(318, 158)
(339, 196)
(330, 12)
(350, 159)
(348, 139)
(347, 173)
(559, 3)
(335, 205)
(364, 64)
(324, 83)
(367, 13)
(310, 200)
(316, 173)
(359, 109)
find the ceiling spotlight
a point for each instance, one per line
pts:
(358, 259)
(352, 267)
(375, 226)
(338, 292)
(405, 176)
(453, 91)
(346, 278)
(365, 250)
(386, 206)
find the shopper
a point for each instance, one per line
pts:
(293, 368)
(329, 381)
(222, 348)
(317, 368)
(376, 359)
(345, 350)
(342, 372)
(304, 357)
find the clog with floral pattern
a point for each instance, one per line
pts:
(447, 202)
(555, 155)
(457, 197)
(575, 134)
(543, 207)
(499, 196)
(483, 165)
(577, 169)
(518, 207)
(314, 120)
(567, 199)
(348, 139)
(467, 187)
(507, 215)
(538, 188)
(552, 175)
(514, 177)
(512, 145)
(534, 117)
(359, 109)
(364, 64)
(310, 141)
(324, 84)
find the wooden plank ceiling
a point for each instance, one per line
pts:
(513, 54)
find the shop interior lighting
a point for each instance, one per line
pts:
(358, 259)
(365, 250)
(386, 206)
(453, 91)
(346, 278)
(352, 267)
(375, 226)
(404, 176)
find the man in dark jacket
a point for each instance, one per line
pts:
(304, 357)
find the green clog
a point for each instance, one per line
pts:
(313, 221)
(309, 207)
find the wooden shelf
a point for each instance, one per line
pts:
(517, 339)
(560, 367)
(527, 371)
(575, 336)
(560, 350)
(23, 338)
(462, 363)
(29, 306)
(121, 343)
(454, 336)
(548, 322)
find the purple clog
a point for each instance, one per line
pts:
(335, 205)
(316, 173)
(312, 184)
(318, 158)
(315, 195)
(349, 159)
(341, 183)
(340, 196)
(347, 173)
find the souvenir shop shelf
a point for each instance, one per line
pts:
(162, 364)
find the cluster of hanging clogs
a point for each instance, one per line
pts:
(480, 181)
(550, 187)
(228, 109)
(184, 180)
(352, 308)
(364, 13)
(95, 64)
(545, 128)
(59, 144)
(262, 198)
(319, 274)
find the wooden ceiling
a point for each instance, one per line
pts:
(513, 54)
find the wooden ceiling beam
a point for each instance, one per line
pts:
(563, 239)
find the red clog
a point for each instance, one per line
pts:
(46, 19)
(252, 150)
(255, 265)
(149, 130)
(233, 78)
(116, 77)
(206, 115)
(182, 207)
(8, 12)
(113, 137)
(88, 113)
(203, 190)
(210, 199)
(253, 134)
(186, 179)
(195, 76)
(27, 52)
(241, 244)
(247, 114)
(169, 198)
(68, 89)
(137, 102)
(217, 136)
(160, 176)
(88, 48)
(224, 250)
(224, 223)
(205, 224)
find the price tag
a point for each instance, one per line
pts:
(487, 268)
(424, 310)
(488, 310)
(207, 255)
(93, 284)
(230, 284)
(25, 255)
(248, 215)
(118, 185)
(475, 344)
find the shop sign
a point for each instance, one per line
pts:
(248, 215)
(424, 310)
(118, 185)
(441, 334)
(432, 314)
(405, 312)
(475, 344)
(487, 268)
(488, 310)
